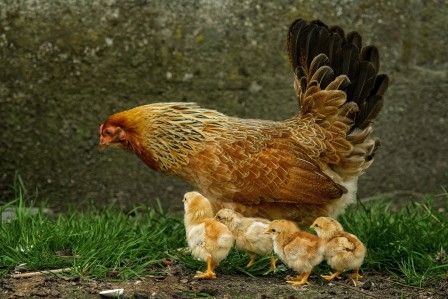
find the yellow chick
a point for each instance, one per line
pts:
(343, 251)
(208, 239)
(249, 234)
(298, 250)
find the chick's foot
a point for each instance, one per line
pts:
(332, 276)
(299, 280)
(355, 275)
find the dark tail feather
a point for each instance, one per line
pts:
(346, 56)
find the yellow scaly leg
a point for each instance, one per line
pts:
(300, 280)
(355, 275)
(332, 275)
(209, 274)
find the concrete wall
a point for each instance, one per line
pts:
(66, 65)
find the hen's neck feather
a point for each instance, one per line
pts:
(164, 135)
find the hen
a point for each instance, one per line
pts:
(299, 250)
(297, 169)
(343, 251)
(209, 240)
(249, 234)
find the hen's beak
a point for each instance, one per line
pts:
(103, 141)
(266, 232)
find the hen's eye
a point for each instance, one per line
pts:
(273, 230)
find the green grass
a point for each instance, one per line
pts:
(409, 243)
(100, 242)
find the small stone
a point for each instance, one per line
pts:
(138, 295)
(367, 285)
(55, 293)
(168, 262)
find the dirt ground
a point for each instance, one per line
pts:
(177, 282)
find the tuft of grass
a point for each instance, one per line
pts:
(99, 243)
(410, 243)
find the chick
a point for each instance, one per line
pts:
(343, 251)
(208, 239)
(298, 250)
(249, 234)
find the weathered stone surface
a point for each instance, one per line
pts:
(66, 65)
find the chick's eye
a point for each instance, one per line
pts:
(315, 225)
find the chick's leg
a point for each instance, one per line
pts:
(273, 263)
(253, 257)
(209, 274)
(273, 267)
(355, 275)
(332, 275)
(300, 280)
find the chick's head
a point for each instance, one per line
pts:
(228, 217)
(281, 226)
(327, 228)
(197, 206)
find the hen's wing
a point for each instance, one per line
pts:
(322, 58)
(260, 167)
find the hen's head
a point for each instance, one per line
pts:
(327, 228)
(112, 132)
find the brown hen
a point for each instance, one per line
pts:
(297, 169)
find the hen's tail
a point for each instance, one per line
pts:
(323, 54)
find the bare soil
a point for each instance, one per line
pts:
(177, 282)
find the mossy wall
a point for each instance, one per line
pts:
(66, 65)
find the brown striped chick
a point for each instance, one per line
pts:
(298, 250)
(343, 251)
(208, 239)
(249, 234)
